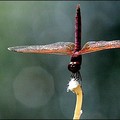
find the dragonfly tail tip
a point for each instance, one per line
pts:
(78, 6)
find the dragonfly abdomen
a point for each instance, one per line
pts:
(77, 30)
(75, 64)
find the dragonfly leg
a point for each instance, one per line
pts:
(77, 76)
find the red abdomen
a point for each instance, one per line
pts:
(74, 65)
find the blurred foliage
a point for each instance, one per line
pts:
(34, 86)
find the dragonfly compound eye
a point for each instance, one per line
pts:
(74, 67)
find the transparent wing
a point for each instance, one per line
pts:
(97, 46)
(61, 48)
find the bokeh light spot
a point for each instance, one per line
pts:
(34, 87)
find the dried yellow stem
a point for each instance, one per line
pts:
(79, 97)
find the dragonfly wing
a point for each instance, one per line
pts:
(94, 46)
(61, 48)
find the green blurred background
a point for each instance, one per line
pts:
(33, 85)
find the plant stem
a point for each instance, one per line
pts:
(79, 97)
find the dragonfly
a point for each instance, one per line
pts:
(71, 49)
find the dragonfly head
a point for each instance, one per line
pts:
(74, 67)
